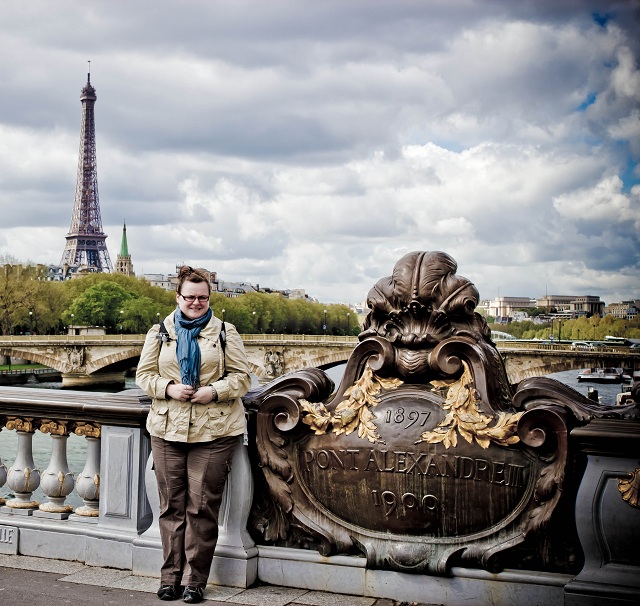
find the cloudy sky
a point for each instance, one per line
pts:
(305, 144)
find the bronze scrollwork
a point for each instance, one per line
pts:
(28, 425)
(377, 467)
(89, 430)
(55, 428)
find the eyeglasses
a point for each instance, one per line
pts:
(192, 298)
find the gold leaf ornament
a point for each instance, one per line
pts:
(354, 412)
(630, 487)
(464, 417)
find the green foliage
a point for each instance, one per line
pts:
(24, 289)
(272, 313)
(579, 329)
(131, 305)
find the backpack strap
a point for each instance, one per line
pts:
(223, 338)
(163, 333)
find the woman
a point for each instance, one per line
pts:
(196, 382)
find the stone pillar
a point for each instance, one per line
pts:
(57, 481)
(88, 483)
(23, 477)
(124, 508)
(236, 559)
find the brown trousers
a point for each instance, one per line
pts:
(191, 478)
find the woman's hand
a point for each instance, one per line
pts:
(179, 391)
(202, 395)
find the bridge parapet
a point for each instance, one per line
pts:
(526, 362)
(115, 526)
(111, 484)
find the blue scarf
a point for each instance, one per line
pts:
(187, 349)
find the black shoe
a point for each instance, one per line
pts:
(169, 592)
(192, 595)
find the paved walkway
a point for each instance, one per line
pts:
(29, 581)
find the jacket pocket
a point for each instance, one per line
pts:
(217, 420)
(159, 414)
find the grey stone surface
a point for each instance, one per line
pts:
(267, 596)
(40, 564)
(323, 598)
(104, 577)
(218, 592)
(392, 589)
(136, 583)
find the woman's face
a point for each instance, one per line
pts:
(195, 308)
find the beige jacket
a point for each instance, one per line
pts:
(183, 421)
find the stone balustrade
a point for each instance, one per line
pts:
(115, 509)
(114, 526)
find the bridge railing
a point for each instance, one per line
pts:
(36, 339)
(285, 338)
(564, 347)
(111, 484)
(263, 337)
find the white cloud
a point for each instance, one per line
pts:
(604, 202)
(313, 146)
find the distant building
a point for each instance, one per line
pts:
(574, 306)
(235, 289)
(86, 330)
(297, 293)
(587, 305)
(123, 262)
(60, 273)
(625, 310)
(505, 307)
(226, 287)
(159, 280)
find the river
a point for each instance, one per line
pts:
(77, 446)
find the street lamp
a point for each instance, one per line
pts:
(223, 314)
(253, 313)
(324, 326)
(348, 324)
(30, 322)
(121, 312)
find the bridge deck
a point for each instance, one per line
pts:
(29, 581)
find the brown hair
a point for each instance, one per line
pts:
(188, 274)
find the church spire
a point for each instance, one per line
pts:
(124, 248)
(123, 262)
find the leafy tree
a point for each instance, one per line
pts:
(98, 305)
(21, 292)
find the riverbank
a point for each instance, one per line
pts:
(20, 374)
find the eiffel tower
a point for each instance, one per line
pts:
(86, 248)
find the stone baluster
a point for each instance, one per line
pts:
(3, 467)
(88, 482)
(23, 477)
(57, 481)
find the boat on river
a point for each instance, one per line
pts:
(601, 375)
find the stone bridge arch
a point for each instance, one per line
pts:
(93, 358)
(523, 364)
